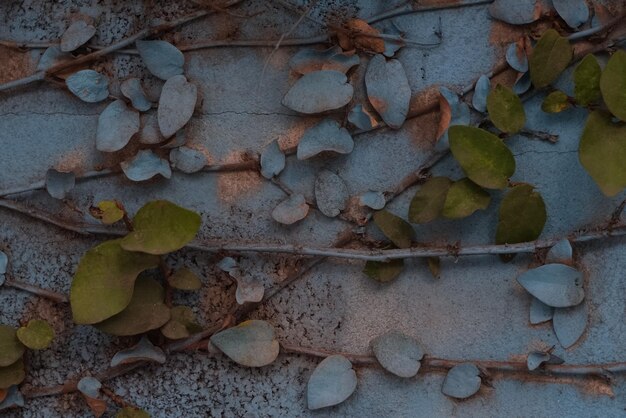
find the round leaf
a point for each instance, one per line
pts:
(602, 152)
(506, 110)
(331, 193)
(550, 57)
(12, 374)
(161, 227)
(613, 84)
(427, 204)
(373, 200)
(482, 155)
(515, 12)
(587, 81)
(163, 59)
(76, 35)
(522, 215)
(399, 231)
(187, 160)
(464, 198)
(332, 382)
(116, 125)
(462, 381)
(384, 271)
(146, 311)
(176, 104)
(555, 102)
(88, 85)
(388, 90)
(89, 386)
(291, 210)
(327, 135)
(398, 353)
(251, 343)
(11, 349)
(569, 324)
(318, 92)
(573, 12)
(104, 281)
(184, 279)
(36, 335)
(108, 211)
(556, 285)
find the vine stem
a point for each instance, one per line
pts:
(44, 293)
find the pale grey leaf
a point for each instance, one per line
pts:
(308, 60)
(251, 343)
(373, 200)
(272, 160)
(388, 90)
(398, 353)
(462, 381)
(391, 46)
(573, 12)
(536, 359)
(515, 12)
(176, 104)
(150, 132)
(76, 35)
(556, 285)
(59, 184)
(569, 324)
(146, 165)
(459, 115)
(327, 135)
(539, 311)
(163, 59)
(249, 289)
(332, 382)
(116, 125)
(516, 57)
(89, 386)
(13, 399)
(178, 140)
(88, 85)
(4, 262)
(561, 252)
(143, 351)
(481, 91)
(318, 92)
(187, 160)
(291, 210)
(331, 193)
(131, 88)
(522, 84)
(228, 265)
(52, 56)
(361, 118)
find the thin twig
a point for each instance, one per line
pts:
(44, 293)
(410, 9)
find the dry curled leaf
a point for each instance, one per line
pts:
(360, 35)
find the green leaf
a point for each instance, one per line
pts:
(464, 198)
(602, 152)
(103, 284)
(613, 84)
(146, 311)
(427, 204)
(251, 343)
(384, 271)
(522, 215)
(107, 211)
(12, 374)
(555, 102)
(130, 412)
(587, 81)
(482, 155)
(11, 349)
(36, 335)
(550, 57)
(399, 231)
(182, 323)
(161, 227)
(185, 279)
(506, 110)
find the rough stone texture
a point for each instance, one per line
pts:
(476, 309)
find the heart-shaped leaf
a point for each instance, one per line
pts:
(482, 155)
(602, 152)
(555, 102)
(318, 92)
(384, 271)
(327, 135)
(309, 60)
(163, 59)
(570, 324)
(613, 84)
(331, 193)
(481, 91)
(187, 160)
(515, 12)
(399, 231)
(573, 12)
(176, 104)
(89, 386)
(11, 349)
(251, 343)
(291, 210)
(556, 285)
(36, 335)
(536, 359)
(161, 227)
(516, 57)
(116, 125)
(331, 383)
(131, 412)
(52, 56)
(539, 311)
(272, 160)
(12, 399)
(146, 311)
(88, 85)
(427, 204)
(108, 211)
(388, 90)
(362, 118)
(561, 252)
(12, 374)
(506, 110)
(550, 57)
(104, 281)
(373, 200)
(59, 184)
(249, 289)
(464, 198)
(184, 279)
(462, 381)
(145, 165)
(131, 88)
(77, 34)
(143, 351)
(522, 215)
(587, 81)
(453, 111)
(182, 323)
(398, 353)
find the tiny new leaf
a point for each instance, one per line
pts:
(108, 211)
(522, 215)
(505, 109)
(251, 343)
(555, 102)
(550, 57)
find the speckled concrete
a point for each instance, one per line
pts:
(476, 309)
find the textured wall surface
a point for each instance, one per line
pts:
(476, 310)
